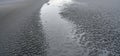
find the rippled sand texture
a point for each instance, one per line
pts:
(97, 25)
(21, 33)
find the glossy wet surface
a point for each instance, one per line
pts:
(61, 28)
(81, 28)
(58, 30)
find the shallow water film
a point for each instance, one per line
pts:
(59, 28)
(82, 27)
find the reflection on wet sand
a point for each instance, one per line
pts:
(59, 31)
(97, 28)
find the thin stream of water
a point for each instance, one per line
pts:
(58, 31)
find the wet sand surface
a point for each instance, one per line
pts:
(81, 27)
(20, 30)
(97, 25)
(59, 28)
